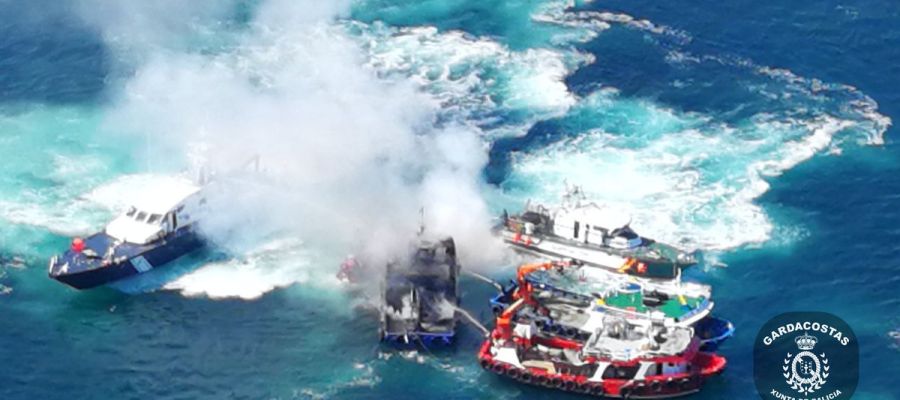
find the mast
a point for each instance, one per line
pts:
(421, 221)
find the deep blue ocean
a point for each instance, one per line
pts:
(757, 132)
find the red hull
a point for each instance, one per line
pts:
(656, 387)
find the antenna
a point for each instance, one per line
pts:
(421, 221)
(147, 148)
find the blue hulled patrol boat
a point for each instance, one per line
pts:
(157, 229)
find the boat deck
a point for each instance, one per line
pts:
(616, 292)
(95, 252)
(672, 307)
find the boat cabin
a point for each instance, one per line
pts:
(158, 213)
(421, 295)
(624, 339)
(593, 224)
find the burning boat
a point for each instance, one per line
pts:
(420, 296)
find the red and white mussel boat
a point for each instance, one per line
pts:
(629, 358)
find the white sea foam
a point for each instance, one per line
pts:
(276, 264)
(59, 221)
(42, 183)
(560, 12)
(66, 212)
(474, 78)
(822, 131)
(689, 180)
(71, 216)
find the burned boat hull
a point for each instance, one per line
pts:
(420, 298)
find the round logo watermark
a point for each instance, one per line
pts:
(806, 356)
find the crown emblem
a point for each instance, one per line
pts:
(806, 342)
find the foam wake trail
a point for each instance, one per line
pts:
(688, 177)
(272, 265)
(51, 160)
(476, 80)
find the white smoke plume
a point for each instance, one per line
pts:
(350, 158)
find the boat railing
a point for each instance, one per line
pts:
(702, 307)
(621, 355)
(627, 313)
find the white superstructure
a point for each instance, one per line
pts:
(158, 211)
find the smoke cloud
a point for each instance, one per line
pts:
(349, 158)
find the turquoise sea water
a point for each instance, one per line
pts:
(756, 132)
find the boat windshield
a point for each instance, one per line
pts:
(144, 216)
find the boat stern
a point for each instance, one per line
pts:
(414, 339)
(712, 331)
(710, 364)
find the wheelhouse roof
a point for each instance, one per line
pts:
(161, 197)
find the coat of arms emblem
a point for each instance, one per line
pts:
(806, 372)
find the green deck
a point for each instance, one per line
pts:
(671, 308)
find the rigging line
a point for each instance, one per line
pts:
(423, 345)
(485, 279)
(472, 320)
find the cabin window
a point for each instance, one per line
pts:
(131, 212)
(141, 216)
(621, 372)
(672, 368)
(577, 225)
(155, 218)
